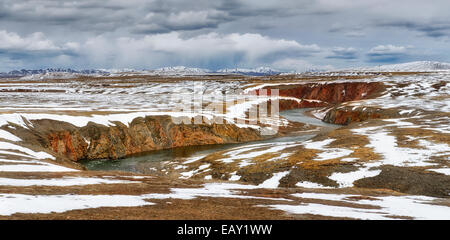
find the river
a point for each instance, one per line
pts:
(153, 159)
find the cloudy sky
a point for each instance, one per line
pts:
(282, 34)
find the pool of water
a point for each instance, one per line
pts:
(299, 115)
(132, 163)
(153, 159)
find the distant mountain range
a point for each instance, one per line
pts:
(181, 70)
(261, 71)
(169, 71)
(419, 66)
(25, 72)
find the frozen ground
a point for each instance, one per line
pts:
(415, 97)
(33, 182)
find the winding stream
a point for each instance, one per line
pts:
(152, 160)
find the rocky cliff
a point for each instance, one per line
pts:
(329, 93)
(332, 94)
(346, 115)
(96, 141)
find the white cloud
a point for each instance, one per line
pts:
(389, 49)
(112, 33)
(211, 50)
(183, 20)
(388, 53)
(32, 42)
(171, 49)
(23, 51)
(194, 18)
(343, 53)
(72, 46)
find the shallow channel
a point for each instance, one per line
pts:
(155, 158)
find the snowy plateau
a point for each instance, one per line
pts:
(360, 143)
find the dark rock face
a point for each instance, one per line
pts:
(291, 104)
(330, 93)
(96, 141)
(409, 180)
(347, 115)
(70, 144)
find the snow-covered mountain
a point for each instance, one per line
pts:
(51, 73)
(180, 70)
(419, 66)
(119, 70)
(165, 71)
(260, 71)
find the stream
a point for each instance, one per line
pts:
(152, 160)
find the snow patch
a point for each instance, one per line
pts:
(20, 203)
(306, 184)
(274, 181)
(61, 182)
(390, 206)
(8, 136)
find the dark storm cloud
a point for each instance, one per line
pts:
(30, 55)
(343, 53)
(433, 29)
(220, 33)
(241, 9)
(271, 8)
(149, 17)
(183, 21)
(385, 58)
(202, 49)
(77, 15)
(171, 16)
(347, 31)
(110, 15)
(155, 16)
(387, 53)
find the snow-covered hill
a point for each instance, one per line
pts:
(260, 71)
(165, 71)
(180, 70)
(51, 73)
(419, 66)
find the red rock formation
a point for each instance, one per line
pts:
(68, 144)
(347, 115)
(331, 93)
(326, 94)
(96, 141)
(291, 104)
